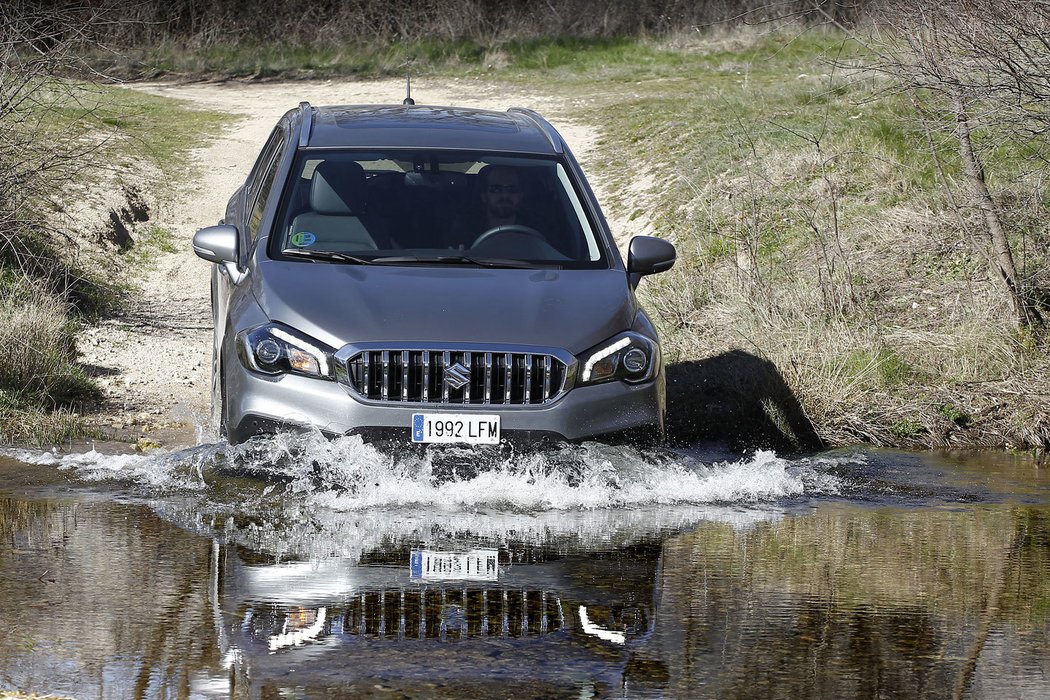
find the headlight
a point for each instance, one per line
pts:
(630, 357)
(278, 349)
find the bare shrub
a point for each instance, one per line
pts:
(40, 155)
(874, 324)
(975, 69)
(39, 275)
(150, 22)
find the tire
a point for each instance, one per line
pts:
(219, 408)
(224, 409)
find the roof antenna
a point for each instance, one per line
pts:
(408, 91)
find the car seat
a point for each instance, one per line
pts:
(338, 201)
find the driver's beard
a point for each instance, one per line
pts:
(503, 210)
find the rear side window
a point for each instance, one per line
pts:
(262, 184)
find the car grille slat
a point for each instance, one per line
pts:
(366, 366)
(404, 375)
(528, 377)
(508, 370)
(451, 377)
(546, 377)
(385, 387)
(426, 375)
(470, 369)
(488, 377)
(445, 362)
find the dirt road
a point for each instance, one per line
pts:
(156, 362)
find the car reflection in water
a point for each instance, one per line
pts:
(467, 621)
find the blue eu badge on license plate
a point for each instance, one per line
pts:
(417, 427)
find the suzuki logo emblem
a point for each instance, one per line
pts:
(457, 376)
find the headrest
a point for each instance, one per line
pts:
(338, 188)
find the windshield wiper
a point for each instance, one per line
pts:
(462, 260)
(334, 256)
(329, 255)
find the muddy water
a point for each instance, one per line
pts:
(296, 567)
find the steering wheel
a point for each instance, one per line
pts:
(507, 228)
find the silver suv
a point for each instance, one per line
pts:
(430, 274)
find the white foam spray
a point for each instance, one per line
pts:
(349, 475)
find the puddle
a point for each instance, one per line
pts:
(298, 567)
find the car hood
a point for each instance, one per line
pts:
(340, 304)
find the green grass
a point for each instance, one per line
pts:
(24, 423)
(88, 136)
(130, 125)
(881, 369)
(374, 60)
(38, 351)
(152, 241)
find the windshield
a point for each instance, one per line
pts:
(434, 207)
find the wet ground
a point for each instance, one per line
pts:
(298, 567)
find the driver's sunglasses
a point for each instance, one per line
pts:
(509, 189)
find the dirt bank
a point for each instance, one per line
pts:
(155, 362)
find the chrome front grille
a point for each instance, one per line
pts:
(441, 614)
(432, 375)
(451, 615)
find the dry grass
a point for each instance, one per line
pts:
(41, 384)
(887, 329)
(961, 379)
(37, 349)
(820, 251)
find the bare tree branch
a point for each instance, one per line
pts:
(988, 63)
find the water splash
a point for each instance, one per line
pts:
(156, 471)
(304, 497)
(348, 475)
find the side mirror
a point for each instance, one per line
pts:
(217, 244)
(647, 255)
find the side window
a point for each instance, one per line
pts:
(264, 158)
(262, 183)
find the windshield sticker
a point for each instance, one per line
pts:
(302, 239)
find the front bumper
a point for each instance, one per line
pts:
(260, 404)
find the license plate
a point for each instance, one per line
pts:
(455, 427)
(475, 565)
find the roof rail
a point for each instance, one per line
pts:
(552, 136)
(308, 122)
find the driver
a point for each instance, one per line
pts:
(501, 194)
